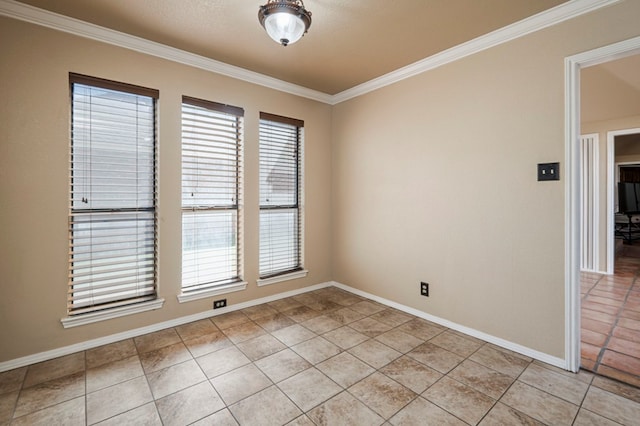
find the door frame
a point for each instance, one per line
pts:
(612, 170)
(573, 65)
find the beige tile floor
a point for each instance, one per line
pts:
(610, 323)
(326, 357)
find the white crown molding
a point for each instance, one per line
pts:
(558, 14)
(518, 29)
(34, 15)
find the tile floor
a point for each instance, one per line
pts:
(610, 335)
(326, 357)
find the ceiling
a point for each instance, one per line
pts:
(349, 43)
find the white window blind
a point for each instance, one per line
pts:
(112, 221)
(211, 184)
(280, 195)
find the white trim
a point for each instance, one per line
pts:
(94, 343)
(611, 237)
(572, 216)
(280, 278)
(608, 53)
(612, 178)
(203, 294)
(553, 16)
(573, 64)
(92, 317)
(547, 18)
(590, 209)
(540, 356)
(595, 226)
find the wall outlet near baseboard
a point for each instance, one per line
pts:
(219, 303)
(424, 289)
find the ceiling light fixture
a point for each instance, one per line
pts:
(286, 21)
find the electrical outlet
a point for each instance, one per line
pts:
(219, 303)
(424, 289)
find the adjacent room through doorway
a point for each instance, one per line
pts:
(610, 269)
(610, 303)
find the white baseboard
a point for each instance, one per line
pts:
(594, 271)
(531, 353)
(94, 343)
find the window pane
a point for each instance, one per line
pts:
(113, 150)
(112, 257)
(209, 157)
(279, 241)
(278, 164)
(209, 249)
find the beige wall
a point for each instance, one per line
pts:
(434, 179)
(635, 158)
(34, 181)
(607, 92)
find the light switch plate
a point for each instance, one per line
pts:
(548, 171)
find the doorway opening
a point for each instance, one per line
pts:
(573, 208)
(574, 204)
(610, 300)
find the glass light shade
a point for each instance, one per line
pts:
(284, 28)
(285, 21)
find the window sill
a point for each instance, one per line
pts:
(284, 277)
(82, 319)
(196, 295)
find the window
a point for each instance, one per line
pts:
(280, 196)
(112, 220)
(211, 173)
